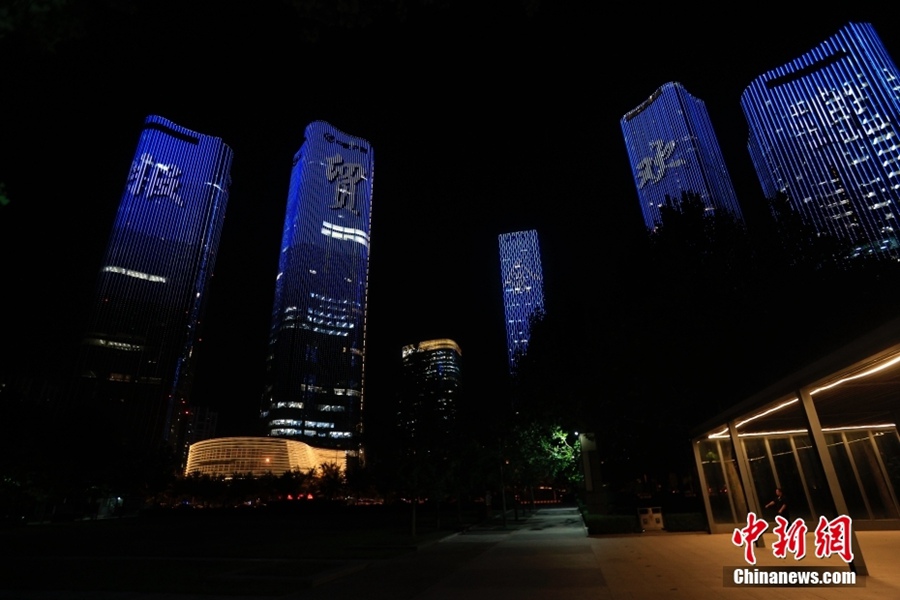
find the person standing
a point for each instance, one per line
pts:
(780, 504)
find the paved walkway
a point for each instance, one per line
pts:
(553, 558)
(549, 555)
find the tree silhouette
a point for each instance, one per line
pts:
(331, 482)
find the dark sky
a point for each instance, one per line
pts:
(482, 120)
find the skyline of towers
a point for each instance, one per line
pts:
(430, 381)
(522, 280)
(135, 368)
(823, 130)
(652, 171)
(673, 149)
(315, 362)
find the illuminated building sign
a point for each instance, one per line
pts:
(653, 168)
(152, 179)
(345, 176)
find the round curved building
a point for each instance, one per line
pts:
(258, 456)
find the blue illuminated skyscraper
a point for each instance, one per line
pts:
(523, 287)
(673, 150)
(315, 364)
(824, 131)
(135, 367)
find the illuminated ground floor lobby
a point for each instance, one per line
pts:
(826, 435)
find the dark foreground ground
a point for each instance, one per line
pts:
(218, 552)
(543, 555)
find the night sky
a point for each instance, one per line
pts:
(482, 120)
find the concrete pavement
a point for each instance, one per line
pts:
(552, 557)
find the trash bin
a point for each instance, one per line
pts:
(651, 518)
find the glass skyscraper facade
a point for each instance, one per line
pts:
(823, 131)
(673, 149)
(135, 366)
(315, 362)
(522, 279)
(431, 375)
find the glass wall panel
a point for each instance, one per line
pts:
(789, 478)
(846, 474)
(726, 497)
(888, 443)
(874, 481)
(760, 471)
(817, 493)
(733, 479)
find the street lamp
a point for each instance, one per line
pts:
(502, 485)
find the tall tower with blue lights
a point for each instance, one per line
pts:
(522, 278)
(135, 367)
(824, 132)
(673, 149)
(315, 364)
